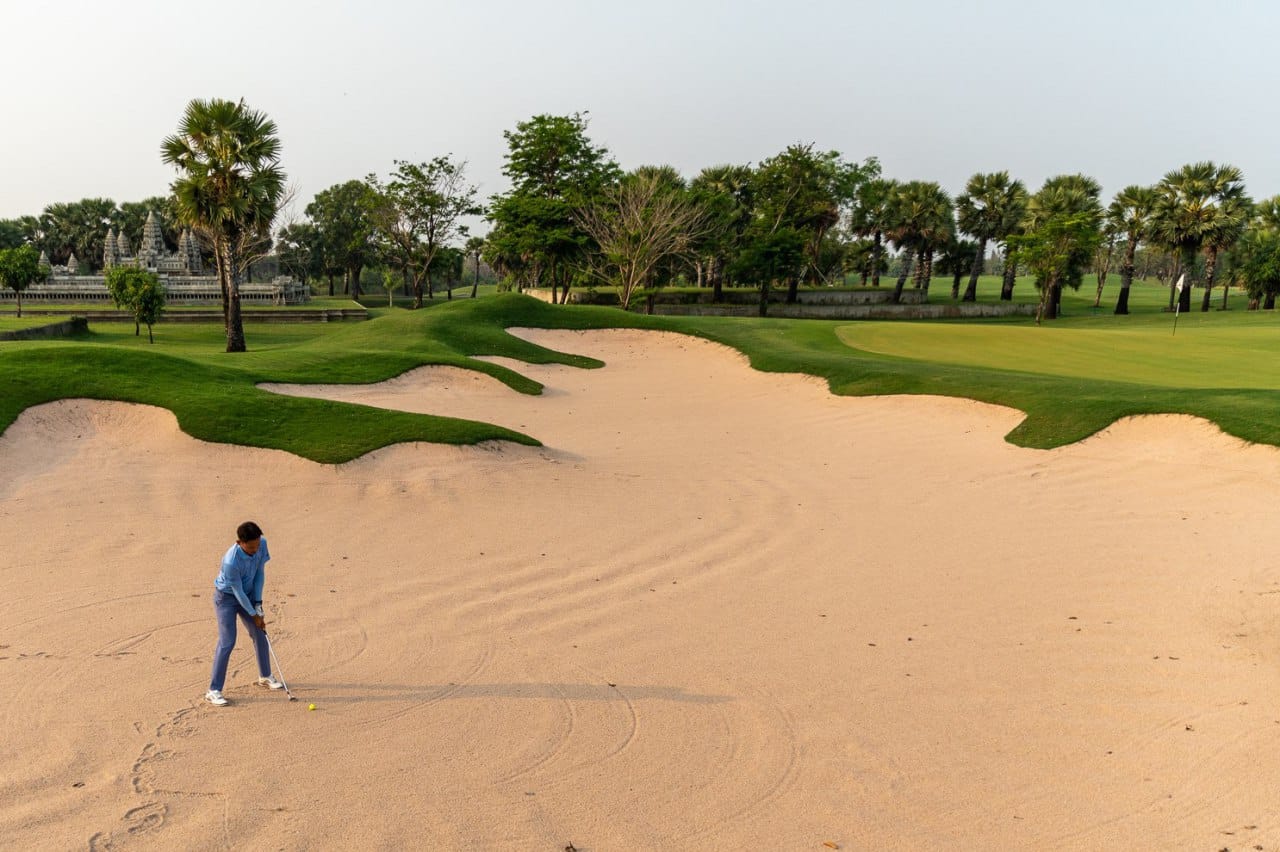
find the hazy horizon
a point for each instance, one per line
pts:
(936, 93)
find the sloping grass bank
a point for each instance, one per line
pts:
(214, 394)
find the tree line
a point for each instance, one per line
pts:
(572, 217)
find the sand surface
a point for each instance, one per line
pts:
(720, 609)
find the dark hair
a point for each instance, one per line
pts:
(248, 531)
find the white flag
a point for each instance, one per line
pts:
(1182, 279)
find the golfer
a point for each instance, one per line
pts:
(238, 592)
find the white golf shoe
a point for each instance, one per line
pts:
(215, 698)
(270, 682)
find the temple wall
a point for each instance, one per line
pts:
(195, 290)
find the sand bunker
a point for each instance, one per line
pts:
(720, 609)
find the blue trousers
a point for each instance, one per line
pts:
(226, 607)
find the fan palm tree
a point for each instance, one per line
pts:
(474, 246)
(1233, 217)
(922, 221)
(724, 193)
(956, 259)
(989, 209)
(229, 188)
(1266, 213)
(1130, 214)
(1200, 206)
(872, 217)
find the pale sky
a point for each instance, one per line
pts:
(1122, 91)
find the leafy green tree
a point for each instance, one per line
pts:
(1258, 259)
(807, 191)
(1104, 256)
(1062, 230)
(20, 268)
(139, 292)
(1130, 215)
(989, 209)
(770, 256)
(342, 216)
(639, 223)
(1200, 206)
(555, 170)
(419, 212)
(299, 252)
(229, 190)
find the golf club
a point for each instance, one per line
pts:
(276, 663)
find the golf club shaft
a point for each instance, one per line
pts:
(276, 663)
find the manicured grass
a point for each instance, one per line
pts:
(1072, 378)
(378, 298)
(12, 323)
(1208, 351)
(214, 397)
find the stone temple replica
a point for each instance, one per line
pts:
(182, 273)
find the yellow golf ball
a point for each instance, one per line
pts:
(311, 706)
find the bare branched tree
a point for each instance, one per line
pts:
(419, 212)
(641, 222)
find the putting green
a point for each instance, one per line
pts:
(1204, 357)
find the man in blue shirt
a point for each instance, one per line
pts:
(238, 592)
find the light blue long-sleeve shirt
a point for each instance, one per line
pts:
(243, 575)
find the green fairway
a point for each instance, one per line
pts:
(1201, 355)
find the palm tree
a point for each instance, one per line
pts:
(229, 188)
(1233, 218)
(473, 248)
(922, 221)
(989, 209)
(873, 217)
(955, 259)
(1200, 206)
(1015, 212)
(1266, 213)
(1130, 214)
(724, 193)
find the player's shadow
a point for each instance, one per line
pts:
(362, 693)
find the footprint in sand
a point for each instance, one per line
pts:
(138, 821)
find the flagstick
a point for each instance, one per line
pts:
(1182, 280)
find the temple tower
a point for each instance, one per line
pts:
(189, 250)
(152, 245)
(111, 252)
